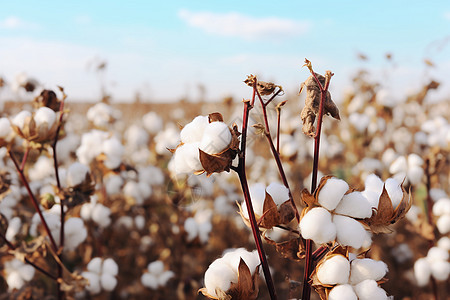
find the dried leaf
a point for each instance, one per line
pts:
(293, 249)
(264, 88)
(312, 103)
(270, 215)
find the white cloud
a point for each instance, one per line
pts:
(246, 27)
(13, 22)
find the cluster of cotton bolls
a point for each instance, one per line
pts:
(441, 209)
(407, 168)
(210, 137)
(156, 276)
(352, 279)
(436, 264)
(199, 226)
(102, 115)
(224, 271)
(101, 274)
(434, 132)
(336, 217)
(17, 273)
(277, 191)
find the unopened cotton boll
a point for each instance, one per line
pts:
(45, 115)
(334, 270)
(278, 192)
(332, 192)
(316, 225)
(366, 268)
(76, 174)
(354, 205)
(369, 290)
(193, 132)
(394, 190)
(342, 292)
(422, 271)
(216, 138)
(349, 232)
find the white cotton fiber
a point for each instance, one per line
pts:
(257, 195)
(14, 280)
(156, 267)
(278, 192)
(317, 226)
(13, 228)
(394, 190)
(149, 280)
(95, 265)
(113, 149)
(366, 268)
(437, 254)
(26, 272)
(372, 197)
(398, 165)
(45, 115)
(193, 132)
(414, 160)
(444, 243)
(19, 119)
(75, 233)
(76, 174)
(110, 267)
(94, 282)
(152, 122)
(349, 232)
(108, 282)
(342, 292)
(216, 138)
(5, 127)
(233, 258)
(219, 276)
(165, 276)
(186, 159)
(422, 271)
(415, 174)
(374, 183)
(369, 290)
(441, 207)
(334, 270)
(332, 192)
(354, 205)
(440, 270)
(190, 226)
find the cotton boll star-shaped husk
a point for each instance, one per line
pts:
(386, 214)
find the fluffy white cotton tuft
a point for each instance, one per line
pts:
(332, 192)
(257, 195)
(76, 174)
(75, 233)
(193, 132)
(334, 270)
(374, 183)
(443, 224)
(369, 290)
(19, 119)
(95, 265)
(354, 205)
(110, 266)
(437, 254)
(113, 149)
(152, 122)
(441, 207)
(317, 226)
(94, 286)
(5, 127)
(342, 292)
(186, 159)
(108, 282)
(149, 280)
(13, 228)
(394, 190)
(45, 115)
(366, 268)
(278, 192)
(233, 258)
(422, 271)
(444, 243)
(216, 138)
(219, 276)
(349, 232)
(440, 270)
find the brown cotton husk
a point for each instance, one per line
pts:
(312, 103)
(293, 249)
(386, 214)
(79, 194)
(245, 289)
(48, 99)
(312, 200)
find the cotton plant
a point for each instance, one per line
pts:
(101, 275)
(409, 168)
(435, 265)
(156, 276)
(17, 274)
(235, 274)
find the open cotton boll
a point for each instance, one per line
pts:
(95, 265)
(334, 270)
(156, 267)
(372, 197)
(42, 169)
(193, 132)
(394, 190)
(342, 292)
(349, 232)
(165, 277)
(278, 192)
(94, 282)
(13, 228)
(45, 115)
(186, 159)
(332, 192)
(443, 224)
(316, 225)
(14, 281)
(354, 205)
(26, 272)
(440, 270)
(422, 271)
(369, 290)
(444, 243)
(366, 268)
(415, 174)
(398, 165)
(76, 174)
(149, 280)
(219, 276)
(113, 149)
(108, 282)
(233, 258)
(437, 254)
(113, 184)
(19, 119)
(441, 207)
(190, 226)
(152, 122)
(216, 138)
(257, 195)
(110, 266)
(75, 233)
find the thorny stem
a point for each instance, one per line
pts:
(12, 247)
(33, 200)
(244, 184)
(275, 153)
(308, 260)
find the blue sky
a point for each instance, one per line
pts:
(165, 50)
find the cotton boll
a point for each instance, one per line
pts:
(149, 280)
(440, 270)
(14, 281)
(342, 292)
(415, 174)
(75, 233)
(76, 174)
(13, 229)
(190, 226)
(45, 115)
(257, 195)
(414, 160)
(113, 149)
(334, 270)
(5, 127)
(437, 254)
(317, 225)
(153, 123)
(366, 268)
(278, 192)
(394, 190)
(354, 205)
(101, 215)
(216, 138)
(19, 119)
(233, 258)
(349, 232)
(95, 265)
(165, 277)
(369, 290)
(136, 137)
(398, 165)
(193, 132)
(443, 224)
(26, 272)
(94, 282)
(437, 194)
(42, 169)
(441, 207)
(372, 197)
(113, 184)
(422, 271)
(219, 276)
(108, 282)
(140, 222)
(332, 192)
(156, 267)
